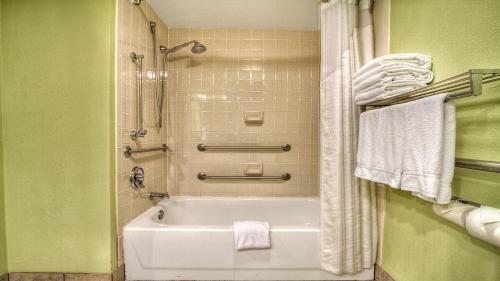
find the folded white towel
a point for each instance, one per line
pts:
(418, 60)
(380, 145)
(391, 85)
(392, 72)
(388, 81)
(380, 93)
(251, 235)
(391, 75)
(429, 148)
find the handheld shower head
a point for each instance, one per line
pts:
(152, 26)
(197, 48)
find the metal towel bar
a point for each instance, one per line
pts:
(463, 85)
(128, 151)
(205, 176)
(481, 165)
(467, 84)
(223, 147)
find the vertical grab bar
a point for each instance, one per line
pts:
(140, 132)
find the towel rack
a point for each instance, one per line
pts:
(128, 151)
(229, 147)
(481, 165)
(205, 176)
(463, 85)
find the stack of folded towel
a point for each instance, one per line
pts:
(410, 146)
(391, 75)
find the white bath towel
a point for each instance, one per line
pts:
(391, 75)
(392, 85)
(410, 146)
(382, 90)
(251, 235)
(392, 72)
(380, 145)
(418, 60)
(429, 148)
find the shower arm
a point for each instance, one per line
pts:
(165, 50)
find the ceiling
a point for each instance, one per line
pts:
(278, 14)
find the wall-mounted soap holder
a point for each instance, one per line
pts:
(254, 117)
(253, 169)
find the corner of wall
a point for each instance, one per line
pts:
(381, 23)
(381, 20)
(3, 239)
(112, 132)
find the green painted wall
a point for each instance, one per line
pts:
(57, 111)
(3, 241)
(419, 246)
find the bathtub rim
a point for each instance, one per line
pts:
(135, 223)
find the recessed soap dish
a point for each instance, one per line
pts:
(254, 169)
(254, 117)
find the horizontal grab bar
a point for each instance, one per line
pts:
(205, 176)
(128, 151)
(284, 147)
(481, 165)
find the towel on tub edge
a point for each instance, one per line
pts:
(251, 235)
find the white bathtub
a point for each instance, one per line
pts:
(194, 241)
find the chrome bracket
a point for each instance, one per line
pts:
(134, 134)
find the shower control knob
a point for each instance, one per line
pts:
(137, 178)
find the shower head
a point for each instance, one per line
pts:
(197, 48)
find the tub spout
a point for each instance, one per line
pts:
(157, 195)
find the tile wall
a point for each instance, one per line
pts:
(273, 71)
(133, 35)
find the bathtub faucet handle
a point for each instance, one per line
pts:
(158, 195)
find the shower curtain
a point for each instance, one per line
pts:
(348, 210)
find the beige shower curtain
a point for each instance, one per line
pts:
(348, 210)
